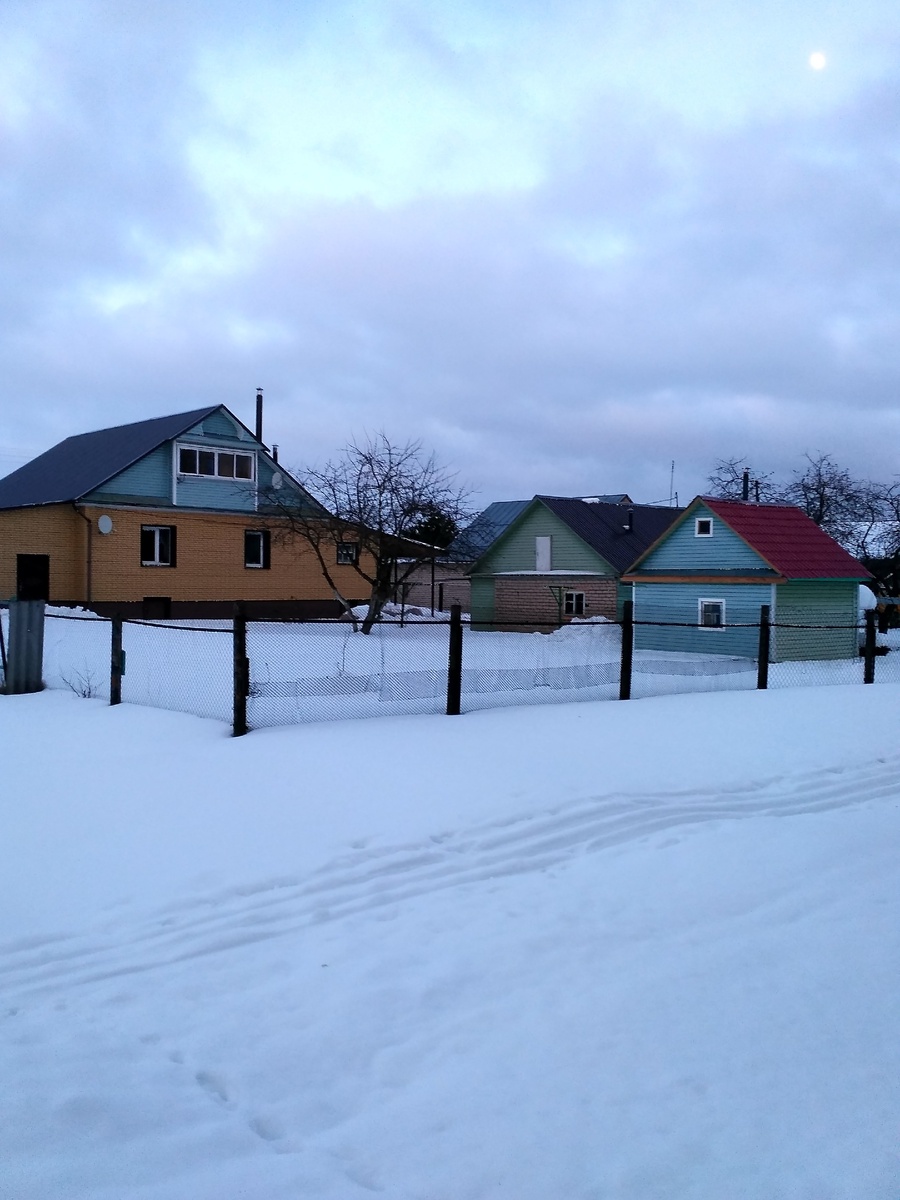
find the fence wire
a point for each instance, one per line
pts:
(76, 654)
(179, 666)
(545, 664)
(324, 670)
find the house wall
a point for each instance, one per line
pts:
(54, 529)
(678, 604)
(514, 550)
(820, 603)
(527, 601)
(209, 558)
(206, 492)
(450, 580)
(209, 562)
(683, 550)
(482, 600)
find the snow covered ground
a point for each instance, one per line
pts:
(642, 951)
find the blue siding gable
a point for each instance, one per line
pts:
(219, 429)
(682, 550)
(154, 480)
(147, 481)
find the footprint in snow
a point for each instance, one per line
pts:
(214, 1085)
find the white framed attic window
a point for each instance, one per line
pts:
(711, 614)
(215, 464)
(703, 527)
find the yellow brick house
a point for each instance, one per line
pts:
(165, 517)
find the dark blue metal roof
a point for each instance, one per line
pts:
(81, 463)
(605, 527)
(472, 542)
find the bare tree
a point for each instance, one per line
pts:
(726, 481)
(380, 502)
(881, 551)
(848, 509)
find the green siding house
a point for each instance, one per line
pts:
(707, 577)
(560, 560)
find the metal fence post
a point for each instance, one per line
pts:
(765, 636)
(241, 672)
(454, 662)
(25, 661)
(115, 662)
(627, 662)
(869, 652)
(3, 662)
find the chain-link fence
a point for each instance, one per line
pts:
(265, 673)
(186, 667)
(76, 654)
(539, 664)
(323, 670)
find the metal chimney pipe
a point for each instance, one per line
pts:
(745, 485)
(274, 454)
(259, 413)
(629, 525)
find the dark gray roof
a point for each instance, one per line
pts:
(604, 526)
(81, 463)
(472, 542)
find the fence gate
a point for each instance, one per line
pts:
(25, 657)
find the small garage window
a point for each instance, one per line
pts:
(574, 604)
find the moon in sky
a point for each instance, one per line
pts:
(817, 60)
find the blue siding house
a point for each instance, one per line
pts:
(707, 577)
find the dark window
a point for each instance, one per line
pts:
(574, 604)
(347, 554)
(703, 527)
(156, 608)
(256, 548)
(222, 464)
(158, 545)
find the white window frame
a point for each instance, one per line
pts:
(262, 534)
(347, 554)
(156, 561)
(710, 600)
(574, 610)
(215, 451)
(698, 521)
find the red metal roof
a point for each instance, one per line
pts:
(788, 539)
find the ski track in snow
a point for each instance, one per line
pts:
(370, 879)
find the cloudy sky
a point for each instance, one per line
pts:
(563, 245)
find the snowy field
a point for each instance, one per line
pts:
(595, 952)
